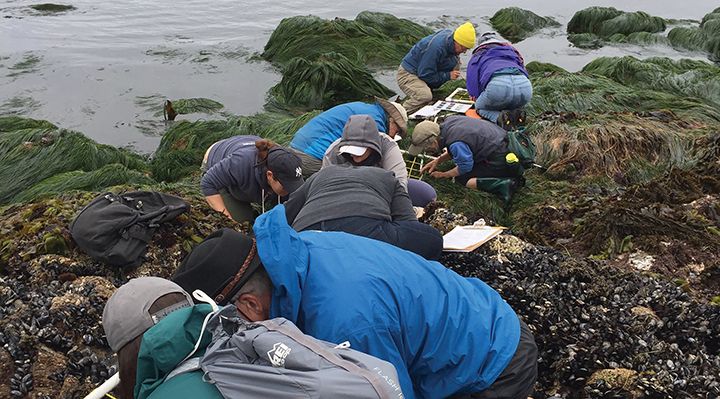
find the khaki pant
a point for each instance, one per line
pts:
(418, 92)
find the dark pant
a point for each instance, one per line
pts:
(240, 211)
(414, 236)
(487, 169)
(518, 378)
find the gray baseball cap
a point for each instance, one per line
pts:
(127, 312)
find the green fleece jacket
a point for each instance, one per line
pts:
(163, 348)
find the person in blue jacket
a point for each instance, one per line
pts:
(431, 62)
(445, 334)
(242, 170)
(498, 80)
(313, 139)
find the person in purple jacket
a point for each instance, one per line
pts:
(498, 81)
(242, 170)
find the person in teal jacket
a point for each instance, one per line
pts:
(445, 334)
(314, 138)
(152, 325)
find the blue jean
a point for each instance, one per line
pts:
(503, 92)
(411, 235)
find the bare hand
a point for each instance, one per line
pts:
(454, 74)
(429, 167)
(438, 175)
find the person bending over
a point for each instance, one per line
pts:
(445, 334)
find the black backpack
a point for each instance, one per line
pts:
(116, 228)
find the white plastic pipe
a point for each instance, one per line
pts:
(106, 387)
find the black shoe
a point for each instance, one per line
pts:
(513, 119)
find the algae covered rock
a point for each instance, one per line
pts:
(516, 24)
(373, 38)
(589, 28)
(705, 38)
(329, 80)
(35, 151)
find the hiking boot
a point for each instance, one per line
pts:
(513, 119)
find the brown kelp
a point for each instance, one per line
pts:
(375, 39)
(604, 22)
(516, 24)
(328, 80)
(35, 150)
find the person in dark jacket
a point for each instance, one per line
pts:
(477, 147)
(366, 201)
(243, 170)
(312, 140)
(445, 334)
(498, 80)
(152, 325)
(363, 145)
(431, 62)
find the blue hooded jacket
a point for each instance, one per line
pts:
(445, 334)
(432, 58)
(316, 136)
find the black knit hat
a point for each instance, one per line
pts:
(219, 266)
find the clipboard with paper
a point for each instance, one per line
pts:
(469, 238)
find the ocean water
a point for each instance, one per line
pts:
(105, 67)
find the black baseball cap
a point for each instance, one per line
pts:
(286, 168)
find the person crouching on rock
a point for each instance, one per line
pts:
(498, 80)
(477, 147)
(312, 140)
(445, 334)
(362, 200)
(152, 325)
(431, 62)
(363, 145)
(243, 170)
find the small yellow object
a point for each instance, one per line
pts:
(511, 158)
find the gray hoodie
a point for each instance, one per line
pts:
(362, 131)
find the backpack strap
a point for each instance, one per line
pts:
(323, 352)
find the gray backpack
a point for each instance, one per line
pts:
(274, 359)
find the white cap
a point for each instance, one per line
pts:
(353, 150)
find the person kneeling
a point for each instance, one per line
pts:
(362, 200)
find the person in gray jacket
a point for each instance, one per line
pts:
(366, 201)
(242, 170)
(362, 144)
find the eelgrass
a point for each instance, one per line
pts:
(543, 67)
(31, 155)
(51, 7)
(516, 24)
(607, 21)
(376, 39)
(613, 146)
(329, 80)
(96, 180)
(12, 123)
(706, 37)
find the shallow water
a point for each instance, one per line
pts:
(105, 67)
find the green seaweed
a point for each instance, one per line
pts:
(591, 27)
(27, 65)
(31, 155)
(705, 37)
(52, 8)
(543, 67)
(516, 24)
(376, 39)
(96, 180)
(585, 40)
(329, 80)
(12, 123)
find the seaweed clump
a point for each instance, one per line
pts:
(705, 38)
(329, 80)
(33, 151)
(589, 27)
(516, 24)
(52, 8)
(373, 38)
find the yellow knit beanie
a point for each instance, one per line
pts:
(465, 35)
